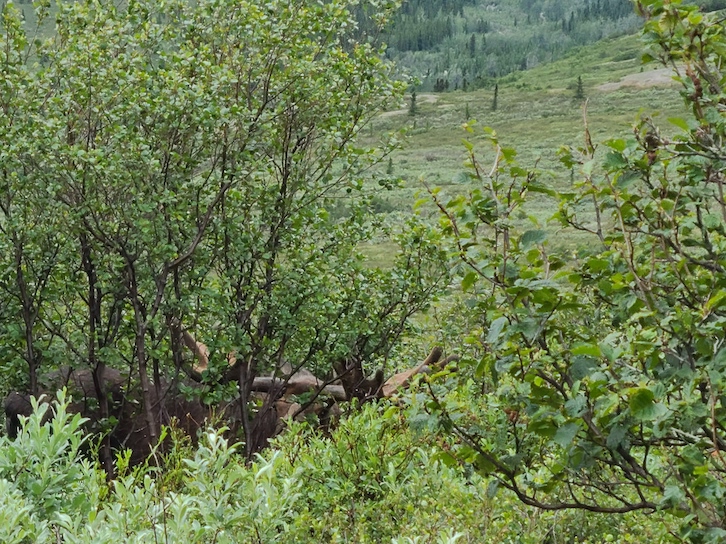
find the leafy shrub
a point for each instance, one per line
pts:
(372, 479)
(598, 380)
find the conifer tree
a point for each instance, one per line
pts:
(413, 108)
(579, 90)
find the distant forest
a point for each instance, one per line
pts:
(467, 44)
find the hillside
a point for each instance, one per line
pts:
(536, 113)
(449, 45)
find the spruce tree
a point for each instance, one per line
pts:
(413, 108)
(579, 90)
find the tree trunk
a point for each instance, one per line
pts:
(99, 382)
(31, 356)
(98, 367)
(146, 396)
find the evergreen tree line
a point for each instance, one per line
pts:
(420, 34)
(459, 44)
(586, 10)
(466, 64)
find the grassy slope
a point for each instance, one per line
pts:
(536, 114)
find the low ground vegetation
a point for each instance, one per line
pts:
(375, 478)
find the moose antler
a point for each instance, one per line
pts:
(304, 381)
(402, 379)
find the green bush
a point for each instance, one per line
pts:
(597, 380)
(374, 478)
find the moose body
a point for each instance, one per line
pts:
(123, 425)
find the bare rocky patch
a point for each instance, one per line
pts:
(642, 80)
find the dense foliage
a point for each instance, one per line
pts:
(172, 167)
(168, 168)
(372, 480)
(599, 374)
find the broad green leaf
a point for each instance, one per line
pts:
(680, 123)
(643, 406)
(566, 434)
(543, 427)
(576, 405)
(717, 300)
(495, 330)
(582, 366)
(593, 350)
(469, 280)
(508, 153)
(616, 436)
(532, 237)
(462, 177)
(617, 144)
(641, 399)
(614, 161)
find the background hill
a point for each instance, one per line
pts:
(465, 44)
(448, 45)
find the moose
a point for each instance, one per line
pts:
(275, 401)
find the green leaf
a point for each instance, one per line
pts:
(528, 327)
(680, 123)
(673, 495)
(482, 367)
(716, 301)
(598, 264)
(616, 437)
(618, 144)
(483, 465)
(495, 330)
(543, 427)
(641, 400)
(462, 177)
(593, 350)
(469, 280)
(582, 366)
(542, 189)
(588, 167)
(614, 161)
(643, 406)
(625, 179)
(576, 406)
(508, 153)
(492, 488)
(532, 237)
(503, 365)
(446, 459)
(566, 434)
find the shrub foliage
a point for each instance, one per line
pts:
(603, 372)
